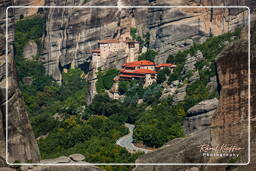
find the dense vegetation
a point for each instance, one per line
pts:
(159, 124)
(105, 79)
(71, 126)
(163, 121)
(198, 91)
(148, 55)
(144, 40)
(60, 111)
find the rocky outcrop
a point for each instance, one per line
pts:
(177, 151)
(71, 34)
(212, 86)
(203, 107)
(200, 116)
(62, 168)
(22, 146)
(180, 94)
(229, 123)
(30, 50)
(190, 62)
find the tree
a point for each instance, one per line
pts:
(148, 55)
(123, 86)
(161, 75)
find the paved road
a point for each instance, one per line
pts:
(126, 141)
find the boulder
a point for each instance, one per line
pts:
(180, 94)
(30, 50)
(62, 159)
(77, 157)
(212, 85)
(7, 169)
(198, 122)
(199, 56)
(189, 64)
(192, 169)
(175, 83)
(202, 39)
(167, 92)
(203, 107)
(27, 80)
(194, 77)
(188, 42)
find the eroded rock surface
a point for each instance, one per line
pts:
(22, 146)
(30, 50)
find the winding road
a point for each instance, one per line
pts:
(126, 141)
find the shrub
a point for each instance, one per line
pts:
(148, 55)
(123, 87)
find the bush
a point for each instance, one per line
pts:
(31, 28)
(148, 55)
(160, 124)
(162, 74)
(105, 79)
(123, 87)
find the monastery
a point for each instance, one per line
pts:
(132, 69)
(143, 69)
(107, 47)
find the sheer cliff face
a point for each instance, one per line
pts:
(71, 34)
(230, 122)
(22, 144)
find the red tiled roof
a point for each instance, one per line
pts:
(166, 65)
(145, 71)
(139, 63)
(138, 71)
(96, 50)
(131, 76)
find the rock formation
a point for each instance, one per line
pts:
(71, 34)
(229, 123)
(22, 146)
(200, 116)
(30, 50)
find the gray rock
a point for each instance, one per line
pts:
(212, 85)
(188, 42)
(27, 80)
(30, 50)
(180, 94)
(192, 169)
(189, 64)
(198, 122)
(206, 67)
(77, 157)
(175, 83)
(203, 107)
(62, 159)
(202, 40)
(194, 77)
(66, 168)
(7, 169)
(226, 43)
(167, 92)
(199, 56)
